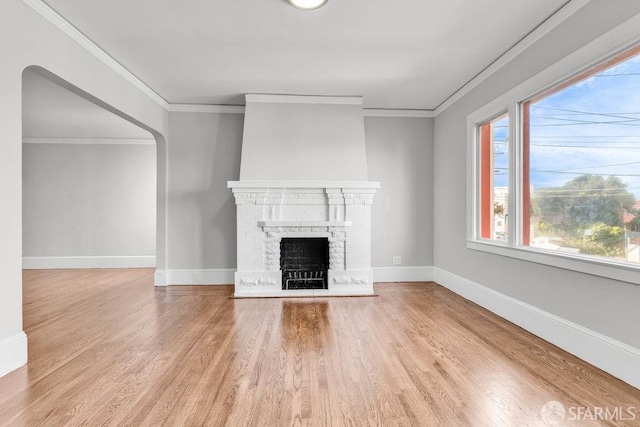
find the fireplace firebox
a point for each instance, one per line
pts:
(304, 263)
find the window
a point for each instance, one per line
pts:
(581, 163)
(494, 178)
(555, 176)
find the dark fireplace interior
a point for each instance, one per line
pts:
(304, 263)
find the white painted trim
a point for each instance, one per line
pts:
(303, 184)
(13, 353)
(225, 276)
(615, 357)
(543, 29)
(160, 278)
(381, 112)
(206, 108)
(45, 263)
(303, 99)
(403, 274)
(240, 109)
(611, 269)
(89, 141)
(211, 276)
(66, 27)
(346, 291)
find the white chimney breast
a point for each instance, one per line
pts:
(303, 174)
(303, 138)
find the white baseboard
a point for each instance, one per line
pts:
(225, 276)
(212, 276)
(49, 262)
(403, 274)
(160, 277)
(615, 357)
(13, 353)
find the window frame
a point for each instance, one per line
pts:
(474, 126)
(613, 44)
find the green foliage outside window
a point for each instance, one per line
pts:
(585, 213)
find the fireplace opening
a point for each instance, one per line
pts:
(304, 263)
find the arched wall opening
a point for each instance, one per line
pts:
(89, 182)
(160, 156)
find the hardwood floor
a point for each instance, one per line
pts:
(107, 348)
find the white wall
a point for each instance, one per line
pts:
(400, 157)
(305, 141)
(27, 39)
(205, 154)
(89, 201)
(605, 306)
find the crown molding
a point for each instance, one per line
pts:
(206, 108)
(89, 141)
(539, 32)
(239, 109)
(380, 112)
(303, 99)
(66, 27)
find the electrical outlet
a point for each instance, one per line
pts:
(397, 260)
(196, 278)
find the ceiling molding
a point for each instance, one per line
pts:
(89, 141)
(204, 108)
(304, 99)
(380, 112)
(539, 32)
(66, 27)
(239, 109)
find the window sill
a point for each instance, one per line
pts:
(583, 264)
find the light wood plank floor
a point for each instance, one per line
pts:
(107, 348)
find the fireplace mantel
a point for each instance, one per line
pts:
(302, 224)
(268, 211)
(302, 184)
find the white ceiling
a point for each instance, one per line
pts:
(52, 111)
(407, 54)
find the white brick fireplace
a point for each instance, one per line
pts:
(268, 212)
(303, 176)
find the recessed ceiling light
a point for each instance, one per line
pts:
(308, 4)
